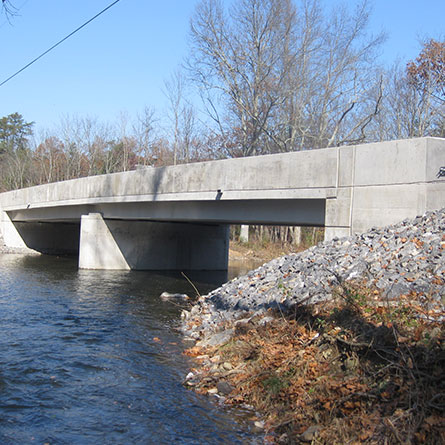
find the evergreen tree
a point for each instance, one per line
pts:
(14, 133)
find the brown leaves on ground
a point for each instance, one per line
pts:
(356, 370)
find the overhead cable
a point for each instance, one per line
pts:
(58, 43)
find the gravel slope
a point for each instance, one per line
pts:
(404, 258)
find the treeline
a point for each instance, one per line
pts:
(82, 147)
(273, 76)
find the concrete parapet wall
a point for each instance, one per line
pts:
(298, 175)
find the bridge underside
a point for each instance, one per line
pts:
(150, 235)
(302, 212)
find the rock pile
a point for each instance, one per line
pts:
(399, 259)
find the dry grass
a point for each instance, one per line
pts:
(358, 370)
(265, 251)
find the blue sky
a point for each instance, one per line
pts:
(119, 62)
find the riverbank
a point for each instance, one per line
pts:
(342, 343)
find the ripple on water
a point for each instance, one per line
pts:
(93, 357)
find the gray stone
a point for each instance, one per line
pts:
(217, 339)
(403, 258)
(167, 296)
(309, 434)
(224, 387)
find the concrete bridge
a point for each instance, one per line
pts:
(177, 217)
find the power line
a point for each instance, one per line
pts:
(59, 42)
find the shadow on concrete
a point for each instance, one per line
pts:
(148, 245)
(50, 237)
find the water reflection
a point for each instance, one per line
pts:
(94, 357)
(242, 267)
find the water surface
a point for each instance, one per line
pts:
(89, 357)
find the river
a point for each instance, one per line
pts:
(94, 357)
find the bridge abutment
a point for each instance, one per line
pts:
(147, 245)
(55, 238)
(11, 236)
(383, 183)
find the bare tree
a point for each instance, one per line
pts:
(174, 91)
(276, 77)
(85, 141)
(67, 133)
(145, 134)
(181, 115)
(344, 92)
(239, 59)
(16, 169)
(50, 160)
(8, 9)
(406, 112)
(187, 132)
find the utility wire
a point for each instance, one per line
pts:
(58, 43)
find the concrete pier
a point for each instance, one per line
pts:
(145, 245)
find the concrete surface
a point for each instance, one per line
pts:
(346, 189)
(116, 244)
